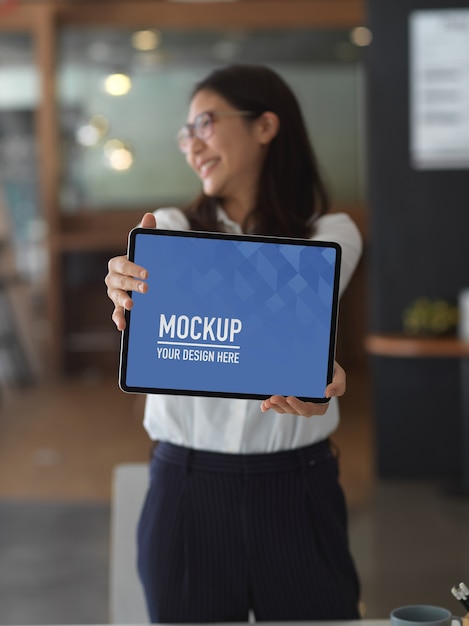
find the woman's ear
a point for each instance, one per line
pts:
(269, 125)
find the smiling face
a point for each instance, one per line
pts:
(229, 162)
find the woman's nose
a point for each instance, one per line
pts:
(196, 144)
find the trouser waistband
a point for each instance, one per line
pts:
(285, 460)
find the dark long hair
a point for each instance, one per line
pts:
(291, 193)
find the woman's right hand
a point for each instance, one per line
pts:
(124, 276)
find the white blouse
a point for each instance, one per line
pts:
(237, 425)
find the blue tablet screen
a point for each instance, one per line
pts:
(226, 315)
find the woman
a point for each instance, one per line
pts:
(244, 511)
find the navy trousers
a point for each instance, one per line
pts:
(221, 534)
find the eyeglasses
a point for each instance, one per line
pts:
(202, 127)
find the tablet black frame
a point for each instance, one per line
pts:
(230, 237)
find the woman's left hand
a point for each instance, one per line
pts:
(293, 406)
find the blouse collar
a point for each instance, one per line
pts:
(231, 226)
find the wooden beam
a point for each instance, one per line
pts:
(48, 165)
(265, 14)
(20, 18)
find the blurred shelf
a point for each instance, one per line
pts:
(407, 346)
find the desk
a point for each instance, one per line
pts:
(405, 346)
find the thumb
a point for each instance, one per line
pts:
(148, 221)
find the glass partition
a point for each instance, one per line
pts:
(19, 186)
(123, 95)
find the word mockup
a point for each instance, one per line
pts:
(196, 338)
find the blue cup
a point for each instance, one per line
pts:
(423, 615)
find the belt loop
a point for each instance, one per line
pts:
(302, 454)
(187, 460)
(245, 469)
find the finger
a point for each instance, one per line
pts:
(120, 298)
(277, 403)
(120, 265)
(148, 221)
(334, 390)
(294, 406)
(119, 287)
(118, 317)
(306, 409)
(119, 284)
(338, 385)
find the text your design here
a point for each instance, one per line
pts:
(197, 338)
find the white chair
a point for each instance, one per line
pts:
(127, 603)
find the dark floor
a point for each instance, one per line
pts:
(409, 545)
(53, 563)
(59, 445)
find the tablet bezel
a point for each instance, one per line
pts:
(268, 239)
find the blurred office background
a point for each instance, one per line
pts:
(91, 95)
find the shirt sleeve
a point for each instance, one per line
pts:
(340, 228)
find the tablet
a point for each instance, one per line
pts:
(237, 316)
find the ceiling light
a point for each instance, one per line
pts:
(146, 40)
(361, 36)
(117, 84)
